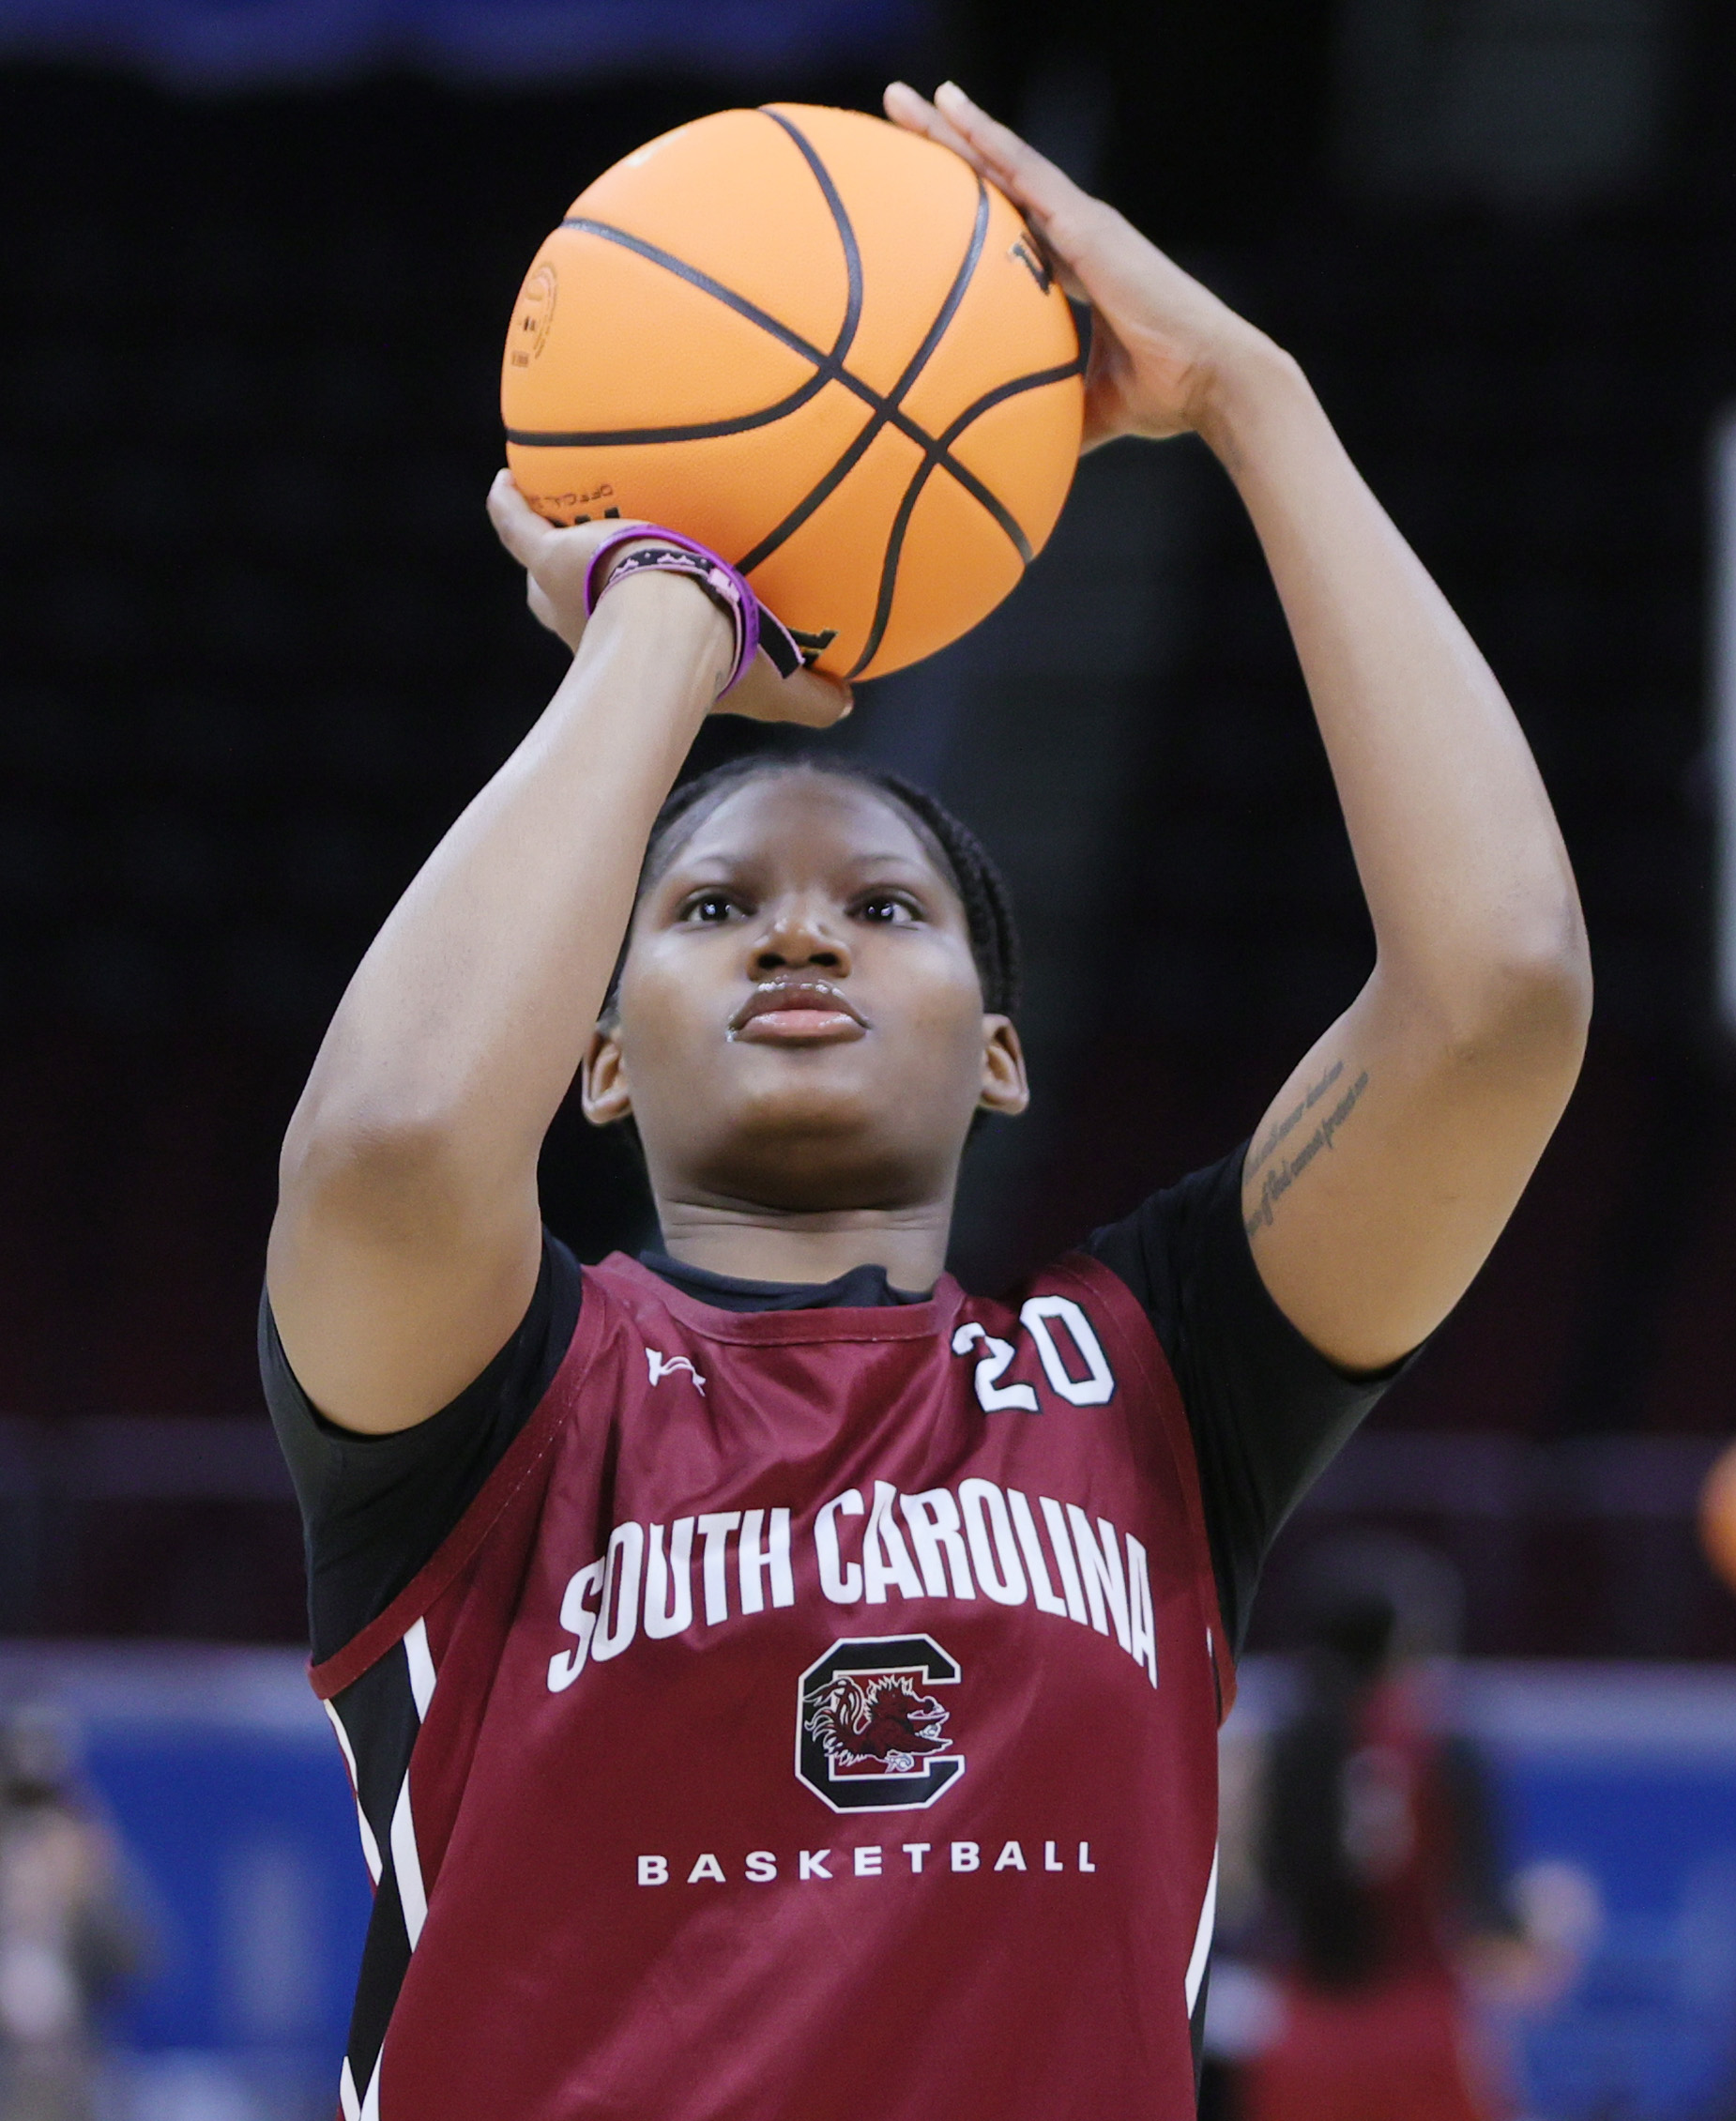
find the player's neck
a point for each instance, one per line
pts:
(758, 1243)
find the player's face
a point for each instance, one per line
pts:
(801, 1022)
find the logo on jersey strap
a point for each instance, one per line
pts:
(662, 1365)
(870, 1735)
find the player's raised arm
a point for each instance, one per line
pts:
(1389, 1161)
(406, 1241)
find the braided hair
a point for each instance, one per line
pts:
(958, 853)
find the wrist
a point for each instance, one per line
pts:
(1245, 387)
(671, 611)
(654, 549)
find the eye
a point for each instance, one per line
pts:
(888, 909)
(710, 908)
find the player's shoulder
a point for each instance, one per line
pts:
(1074, 1281)
(623, 1305)
(1177, 1235)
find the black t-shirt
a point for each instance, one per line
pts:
(1267, 1410)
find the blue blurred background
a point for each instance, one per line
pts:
(259, 647)
(1623, 1776)
(218, 1775)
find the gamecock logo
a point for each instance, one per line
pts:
(869, 1734)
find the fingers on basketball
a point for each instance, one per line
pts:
(816, 702)
(1029, 178)
(1058, 211)
(907, 106)
(806, 698)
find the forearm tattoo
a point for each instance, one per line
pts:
(1283, 1173)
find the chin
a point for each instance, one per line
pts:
(815, 1154)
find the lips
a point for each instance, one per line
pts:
(797, 1013)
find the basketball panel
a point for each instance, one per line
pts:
(732, 195)
(727, 492)
(825, 577)
(955, 565)
(604, 339)
(1009, 324)
(913, 207)
(1025, 450)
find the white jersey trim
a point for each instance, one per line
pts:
(407, 1868)
(1202, 1937)
(421, 1665)
(370, 1846)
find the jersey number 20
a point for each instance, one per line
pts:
(1040, 1316)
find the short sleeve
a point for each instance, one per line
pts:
(375, 1508)
(1267, 1410)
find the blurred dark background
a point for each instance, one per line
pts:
(259, 647)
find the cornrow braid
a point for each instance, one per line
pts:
(962, 856)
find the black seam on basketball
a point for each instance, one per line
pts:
(841, 222)
(936, 452)
(887, 409)
(885, 413)
(1037, 379)
(705, 431)
(889, 570)
(948, 308)
(852, 454)
(990, 501)
(827, 366)
(938, 458)
(655, 254)
(822, 490)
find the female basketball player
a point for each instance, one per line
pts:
(776, 1683)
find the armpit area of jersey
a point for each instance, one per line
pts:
(1268, 1411)
(374, 1508)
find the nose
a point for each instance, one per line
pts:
(799, 937)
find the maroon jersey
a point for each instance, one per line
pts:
(813, 1716)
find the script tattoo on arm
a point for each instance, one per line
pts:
(1282, 1172)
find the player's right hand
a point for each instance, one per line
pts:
(556, 559)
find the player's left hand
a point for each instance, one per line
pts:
(556, 559)
(1160, 341)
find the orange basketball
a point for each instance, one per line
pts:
(1717, 1516)
(821, 346)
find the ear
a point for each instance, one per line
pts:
(604, 1095)
(1005, 1088)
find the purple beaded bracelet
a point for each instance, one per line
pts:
(755, 628)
